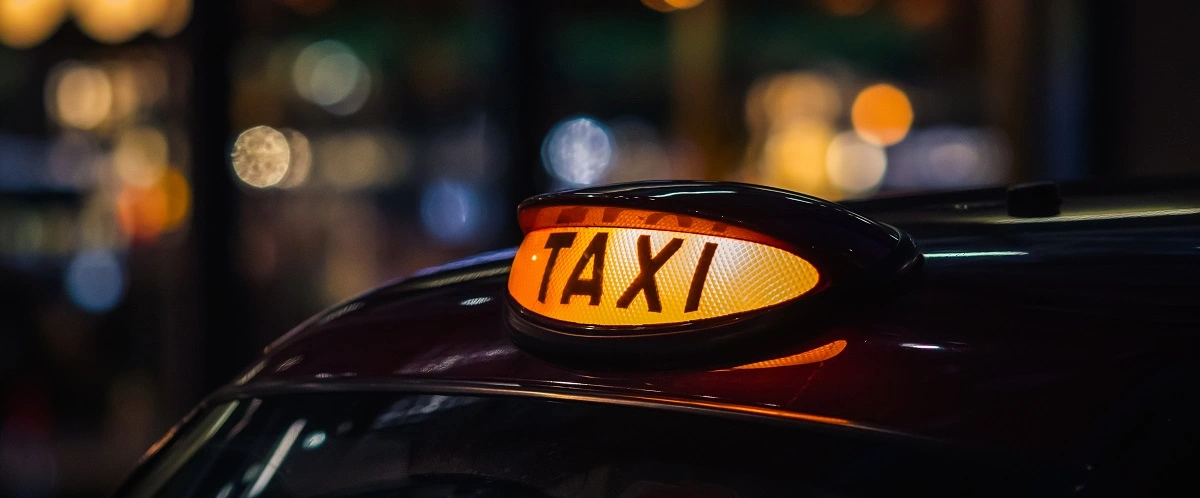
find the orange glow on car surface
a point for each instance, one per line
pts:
(815, 355)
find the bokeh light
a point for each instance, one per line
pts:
(78, 95)
(173, 18)
(261, 156)
(659, 5)
(328, 73)
(671, 5)
(140, 156)
(115, 21)
(683, 4)
(299, 159)
(26, 23)
(794, 157)
(179, 198)
(95, 281)
(797, 95)
(147, 213)
(949, 157)
(452, 212)
(578, 151)
(791, 118)
(143, 213)
(881, 114)
(855, 166)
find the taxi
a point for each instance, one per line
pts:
(699, 339)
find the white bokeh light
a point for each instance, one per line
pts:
(328, 73)
(949, 157)
(578, 151)
(855, 166)
(261, 156)
(79, 95)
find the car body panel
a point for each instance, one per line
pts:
(1048, 337)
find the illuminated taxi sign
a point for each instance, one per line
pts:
(617, 267)
(676, 273)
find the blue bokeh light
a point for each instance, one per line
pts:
(452, 212)
(95, 281)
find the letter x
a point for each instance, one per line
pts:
(645, 279)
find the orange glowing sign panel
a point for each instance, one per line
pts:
(626, 267)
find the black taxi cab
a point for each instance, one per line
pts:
(696, 339)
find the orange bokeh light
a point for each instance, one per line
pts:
(671, 5)
(882, 114)
(145, 213)
(26, 23)
(683, 4)
(179, 198)
(142, 212)
(113, 21)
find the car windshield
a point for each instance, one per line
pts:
(389, 444)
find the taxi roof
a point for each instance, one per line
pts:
(1039, 335)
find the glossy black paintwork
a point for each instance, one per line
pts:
(1053, 338)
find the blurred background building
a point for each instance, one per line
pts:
(181, 182)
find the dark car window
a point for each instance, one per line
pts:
(380, 444)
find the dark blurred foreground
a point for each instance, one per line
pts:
(182, 182)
